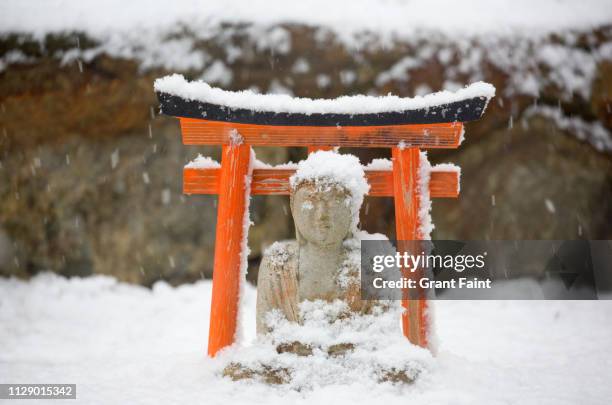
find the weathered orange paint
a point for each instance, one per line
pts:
(406, 192)
(267, 181)
(205, 132)
(232, 207)
(316, 148)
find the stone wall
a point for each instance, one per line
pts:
(90, 176)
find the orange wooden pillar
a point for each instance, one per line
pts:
(406, 193)
(231, 210)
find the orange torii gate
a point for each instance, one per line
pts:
(237, 129)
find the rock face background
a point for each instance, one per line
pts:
(90, 175)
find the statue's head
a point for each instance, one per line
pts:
(322, 216)
(326, 194)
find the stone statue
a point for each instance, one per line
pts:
(317, 265)
(309, 290)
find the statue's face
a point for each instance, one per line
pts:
(321, 217)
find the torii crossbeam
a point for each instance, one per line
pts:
(238, 121)
(443, 183)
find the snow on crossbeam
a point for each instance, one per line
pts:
(274, 181)
(209, 115)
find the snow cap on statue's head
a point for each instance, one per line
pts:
(326, 169)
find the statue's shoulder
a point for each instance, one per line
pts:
(280, 256)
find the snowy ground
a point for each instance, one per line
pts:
(125, 344)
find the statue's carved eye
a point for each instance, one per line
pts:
(307, 205)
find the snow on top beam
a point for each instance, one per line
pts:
(198, 100)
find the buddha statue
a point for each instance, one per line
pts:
(309, 306)
(319, 264)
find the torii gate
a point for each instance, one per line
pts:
(237, 129)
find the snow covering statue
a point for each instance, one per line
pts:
(322, 263)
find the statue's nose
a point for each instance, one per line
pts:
(322, 212)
